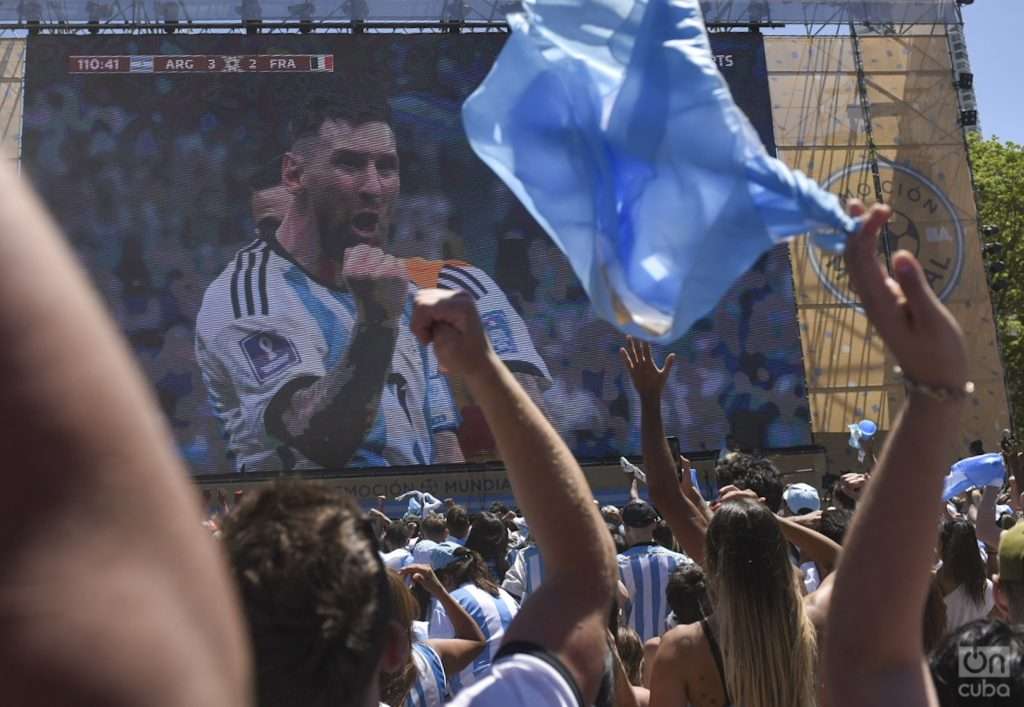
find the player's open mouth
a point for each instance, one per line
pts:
(365, 224)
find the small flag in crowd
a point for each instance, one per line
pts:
(865, 429)
(610, 122)
(984, 470)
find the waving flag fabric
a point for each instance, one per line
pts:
(985, 470)
(610, 122)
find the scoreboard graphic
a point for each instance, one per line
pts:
(201, 64)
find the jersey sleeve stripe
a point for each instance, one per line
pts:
(264, 302)
(250, 305)
(456, 284)
(236, 306)
(234, 287)
(451, 269)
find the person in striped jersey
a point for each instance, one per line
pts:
(464, 573)
(525, 575)
(304, 341)
(423, 682)
(645, 569)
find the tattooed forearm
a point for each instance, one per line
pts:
(328, 419)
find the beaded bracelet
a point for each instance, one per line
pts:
(942, 394)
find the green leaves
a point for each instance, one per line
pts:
(999, 179)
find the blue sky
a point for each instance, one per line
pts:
(995, 31)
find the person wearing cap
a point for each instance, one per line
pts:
(464, 574)
(801, 499)
(645, 568)
(433, 530)
(1009, 584)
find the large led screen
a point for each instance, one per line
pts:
(257, 212)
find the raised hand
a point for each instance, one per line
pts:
(648, 379)
(378, 281)
(449, 320)
(424, 576)
(853, 484)
(921, 333)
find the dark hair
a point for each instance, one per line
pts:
(433, 527)
(499, 509)
(843, 500)
(469, 567)
(946, 665)
(757, 474)
(934, 624)
(394, 687)
(368, 106)
(396, 536)
(489, 537)
(314, 591)
(458, 521)
(961, 558)
(663, 535)
(834, 524)
(687, 594)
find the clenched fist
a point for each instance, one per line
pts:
(449, 320)
(378, 281)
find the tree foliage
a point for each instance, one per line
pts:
(999, 179)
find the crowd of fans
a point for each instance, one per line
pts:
(111, 594)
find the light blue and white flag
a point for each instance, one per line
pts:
(984, 470)
(610, 122)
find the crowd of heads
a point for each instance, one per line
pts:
(282, 538)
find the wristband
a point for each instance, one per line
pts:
(939, 393)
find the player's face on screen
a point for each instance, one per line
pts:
(352, 183)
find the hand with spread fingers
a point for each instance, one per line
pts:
(921, 333)
(648, 378)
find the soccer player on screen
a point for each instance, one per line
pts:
(304, 338)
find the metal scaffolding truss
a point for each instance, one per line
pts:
(122, 14)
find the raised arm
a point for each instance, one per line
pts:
(111, 593)
(988, 530)
(327, 418)
(813, 545)
(458, 652)
(568, 614)
(687, 522)
(874, 653)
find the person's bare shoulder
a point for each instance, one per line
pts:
(683, 640)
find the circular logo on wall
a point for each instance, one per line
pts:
(924, 222)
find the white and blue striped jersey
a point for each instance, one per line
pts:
(526, 573)
(430, 689)
(493, 614)
(645, 570)
(265, 322)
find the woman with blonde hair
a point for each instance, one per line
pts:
(759, 648)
